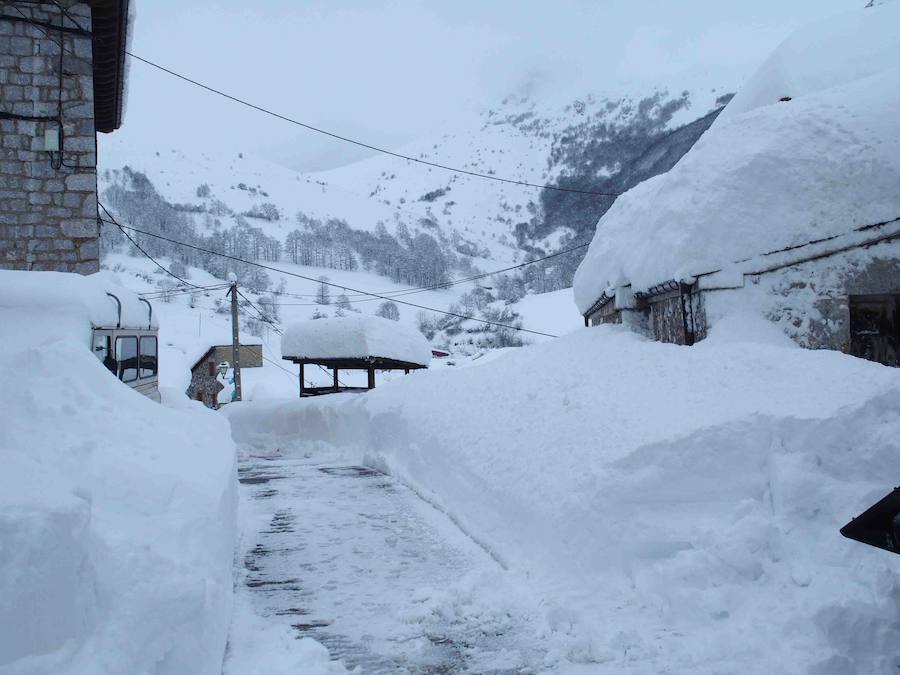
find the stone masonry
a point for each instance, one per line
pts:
(48, 200)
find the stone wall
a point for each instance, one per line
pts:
(810, 300)
(48, 201)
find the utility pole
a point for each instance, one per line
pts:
(235, 340)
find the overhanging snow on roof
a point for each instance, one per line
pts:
(354, 341)
(96, 300)
(769, 174)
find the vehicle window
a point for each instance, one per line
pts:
(148, 361)
(127, 358)
(103, 351)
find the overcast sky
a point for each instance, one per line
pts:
(388, 72)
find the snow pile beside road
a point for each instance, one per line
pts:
(117, 515)
(355, 337)
(677, 508)
(769, 174)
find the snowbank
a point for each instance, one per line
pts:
(72, 301)
(769, 174)
(355, 337)
(677, 508)
(117, 515)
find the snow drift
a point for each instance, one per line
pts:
(769, 173)
(677, 508)
(117, 515)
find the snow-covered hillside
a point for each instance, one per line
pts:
(589, 142)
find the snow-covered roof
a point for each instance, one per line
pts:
(355, 337)
(769, 173)
(86, 298)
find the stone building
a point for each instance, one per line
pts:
(62, 80)
(205, 385)
(840, 293)
(787, 209)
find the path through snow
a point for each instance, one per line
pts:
(355, 560)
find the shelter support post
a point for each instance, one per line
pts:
(334, 373)
(301, 380)
(371, 378)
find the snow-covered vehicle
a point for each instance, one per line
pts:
(130, 351)
(116, 324)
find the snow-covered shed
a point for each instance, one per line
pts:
(788, 206)
(359, 342)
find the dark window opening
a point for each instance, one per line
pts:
(148, 360)
(127, 358)
(103, 351)
(212, 369)
(875, 328)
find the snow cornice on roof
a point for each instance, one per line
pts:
(770, 261)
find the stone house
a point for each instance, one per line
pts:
(787, 209)
(841, 293)
(62, 79)
(205, 386)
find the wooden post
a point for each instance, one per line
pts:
(301, 380)
(334, 372)
(371, 378)
(235, 341)
(406, 371)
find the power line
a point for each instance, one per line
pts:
(163, 293)
(331, 134)
(138, 247)
(328, 283)
(447, 284)
(262, 315)
(362, 144)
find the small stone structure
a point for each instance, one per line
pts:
(205, 386)
(52, 103)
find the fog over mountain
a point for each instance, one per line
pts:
(407, 70)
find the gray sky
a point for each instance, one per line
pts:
(388, 72)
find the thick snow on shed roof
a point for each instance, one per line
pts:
(769, 173)
(355, 337)
(62, 296)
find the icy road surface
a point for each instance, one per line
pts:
(358, 562)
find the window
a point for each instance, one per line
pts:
(127, 358)
(212, 368)
(148, 361)
(875, 328)
(103, 351)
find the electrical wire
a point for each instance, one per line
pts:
(301, 276)
(442, 286)
(163, 293)
(362, 144)
(138, 247)
(345, 139)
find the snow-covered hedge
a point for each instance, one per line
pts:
(117, 515)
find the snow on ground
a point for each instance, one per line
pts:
(117, 514)
(355, 560)
(676, 509)
(769, 173)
